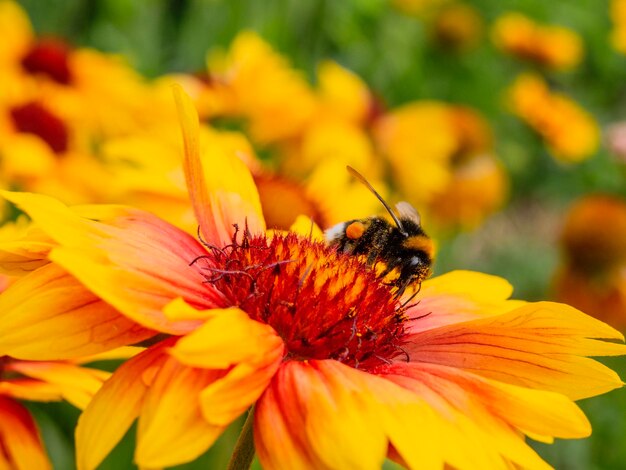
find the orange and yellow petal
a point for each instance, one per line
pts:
(171, 427)
(222, 195)
(318, 425)
(459, 296)
(228, 337)
(322, 414)
(410, 424)
(131, 259)
(22, 448)
(119, 401)
(538, 345)
(76, 384)
(231, 338)
(29, 389)
(36, 307)
(473, 410)
(276, 416)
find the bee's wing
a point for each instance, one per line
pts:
(407, 211)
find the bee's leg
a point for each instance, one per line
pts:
(402, 283)
(390, 266)
(372, 257)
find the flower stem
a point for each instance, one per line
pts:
(244, 448)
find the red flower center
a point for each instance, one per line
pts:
(49, 57)
(324, 304)
(33, 118)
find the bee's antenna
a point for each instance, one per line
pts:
(362, 179)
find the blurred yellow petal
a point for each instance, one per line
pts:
(570, 132)
(119, 401)
(17, 32)
(171, 428)
(343, 93)
(222, 195)
(556, 47)
(305, 227)
(339, 195)
(418, 139)
(49, 300)
(275, 99)
(275, 191)
(21, 444)
(27, 156)
(477, 189)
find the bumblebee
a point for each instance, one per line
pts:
(403, 248)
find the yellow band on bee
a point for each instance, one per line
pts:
(420, 242)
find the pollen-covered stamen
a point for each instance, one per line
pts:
(324, 304)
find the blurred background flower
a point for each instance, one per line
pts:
(592, 275)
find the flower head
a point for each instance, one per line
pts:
(327, 351)
(570, 132)
(592, 275)
(457, 26)
(554, 47)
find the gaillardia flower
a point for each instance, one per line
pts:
(342, 371)
(592, 274)
(569, 131)
(554, 47)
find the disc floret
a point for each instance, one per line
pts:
(324, 304)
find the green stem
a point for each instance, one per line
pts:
(243, 454)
